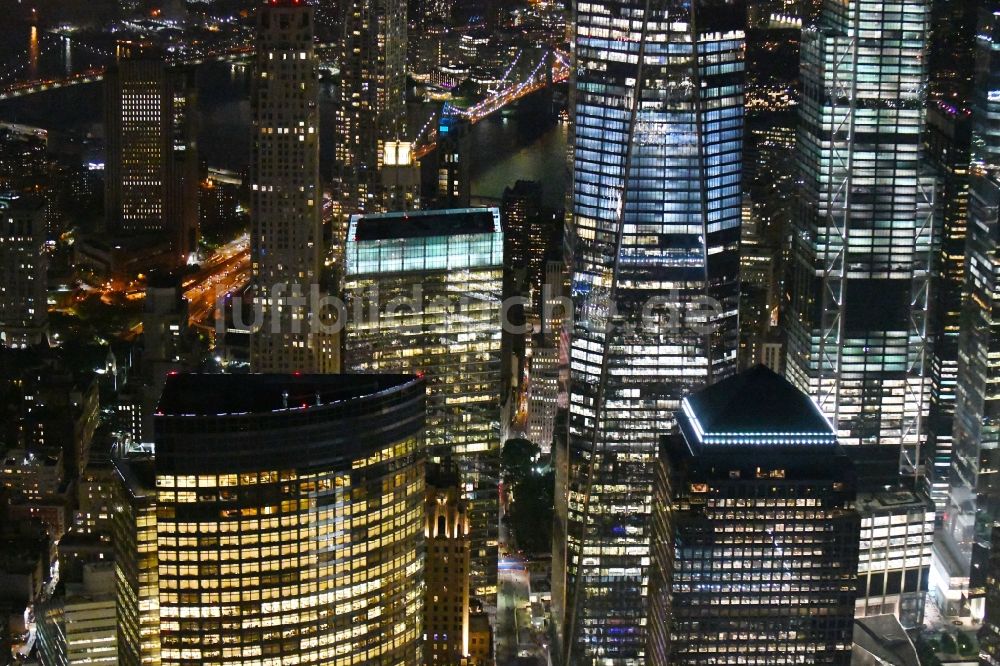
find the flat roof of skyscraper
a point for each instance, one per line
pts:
(416, 224)
(228, 394)
(757, 401)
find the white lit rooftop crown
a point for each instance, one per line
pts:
(754, 408)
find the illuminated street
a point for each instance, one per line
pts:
(516, 638)
(226, 271)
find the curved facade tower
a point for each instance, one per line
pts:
(289, 520)
(658, 121)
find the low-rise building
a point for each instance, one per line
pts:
(78, 625)
(894, 557)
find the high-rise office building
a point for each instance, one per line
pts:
(769, 170)
(285, 193)
(951, 56)
(974, 504)
(137, 600)
(370, 106)
(168, 345)
(520, 208)
(151, 170)
(858, 335)
(543, 394)
(962, 547)
(423, 296)
(947, 145)
(985, 105)
(165, 315)
(532, 237)
(658, 120)
(289, 523)
(947, 148)
(759, 290)
(23, 278)
(755, 544)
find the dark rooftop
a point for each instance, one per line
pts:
(218, 394)
(883, 637)
(419, 224)
(757, 400)
(159, 279)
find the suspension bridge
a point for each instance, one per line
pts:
(541, 76)
(11, 86)
(552, 66)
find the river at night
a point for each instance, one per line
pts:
(523, 144)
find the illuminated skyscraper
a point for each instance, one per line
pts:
(947, 147)
(371, 105)
(532, 236)
(961, 551)
(287, 523)
(769, 172)
(151, 171)
(543, 394)
(951, 56)
(755, 536)
(656, 225)
(974, 503)
(24, 311)
(985, 104)
(137, 600)
(285, 193)
(858, 335)
(423, 296)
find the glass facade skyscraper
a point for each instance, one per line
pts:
(962, 548)
(985, 102)
(137, 600)
(658, 119)
(423, 294)
(947, 147)
(862, 244)
(974, 507)
(947, 144)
